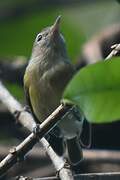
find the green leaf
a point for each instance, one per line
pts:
(96, 90)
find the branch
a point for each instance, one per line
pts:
(18, 153)
(88, 176)
(16, 109)
(116, 49)
(13, 71)
(27, 121)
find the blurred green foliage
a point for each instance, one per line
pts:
(78, 22)
(18, 33)
(17, 36)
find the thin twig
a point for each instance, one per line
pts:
(27, 121)
(116, 49)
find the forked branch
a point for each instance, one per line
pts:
(28, 122)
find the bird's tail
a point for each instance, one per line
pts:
(57, 144)
(56, 141)
(74, 151)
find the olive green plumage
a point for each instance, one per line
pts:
(47, 74)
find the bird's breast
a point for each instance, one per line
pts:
(43, 98)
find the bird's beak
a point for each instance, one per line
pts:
(56, 26)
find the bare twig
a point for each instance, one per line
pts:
(88, 176)
(116, 49)
(16, 109)
(27, 121)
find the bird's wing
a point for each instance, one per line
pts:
(28, 101)
(27, 93)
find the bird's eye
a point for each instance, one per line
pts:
(39, 37)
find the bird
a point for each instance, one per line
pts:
(47, 74)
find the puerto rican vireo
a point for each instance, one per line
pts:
(46, 76)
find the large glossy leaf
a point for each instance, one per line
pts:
(96, 90)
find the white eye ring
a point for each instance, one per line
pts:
(39, 37)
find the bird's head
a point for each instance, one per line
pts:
(50, 41)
